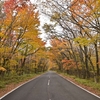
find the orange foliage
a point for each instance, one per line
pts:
(68, 64)
(59, 43)
(83, 7)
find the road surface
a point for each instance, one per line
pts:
(49, 86)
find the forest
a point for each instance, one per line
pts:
(75, 48)
(21, 49)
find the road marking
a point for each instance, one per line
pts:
(48, 82)
(80, 87)
(19, 87)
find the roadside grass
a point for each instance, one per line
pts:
(88, 83)
(13, 78)
(85, 82)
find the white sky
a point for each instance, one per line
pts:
(34, 1)
(43, 19)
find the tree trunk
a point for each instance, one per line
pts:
(86, 62)
(97, 62)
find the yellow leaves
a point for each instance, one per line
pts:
(12, 63)
(19, 56)
(5, 50)
(41, 53)
(55, 16)
(2, 69)
(28, 18)
(1, 34)
(82, 41)
(7, 22)
(31, 34)
(21, 36)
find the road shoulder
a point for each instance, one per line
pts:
(85, 88)
(13, 86)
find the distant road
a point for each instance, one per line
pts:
(49, 86)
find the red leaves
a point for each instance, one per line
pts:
(10, 5)
(68, 64)
(82, 7)
(15, 5)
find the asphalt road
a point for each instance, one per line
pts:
(49, 86)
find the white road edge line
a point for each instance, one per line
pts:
(48, 82)
(81, 87)
(18, 87)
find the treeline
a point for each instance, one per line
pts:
(21, 49)
(75, 36)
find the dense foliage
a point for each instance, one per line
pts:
(76, 46)
(74, 34)
(20, 45)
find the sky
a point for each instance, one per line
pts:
(34, 1)
(43, 19)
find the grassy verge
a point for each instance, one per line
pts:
(15, 79)
(88, 84)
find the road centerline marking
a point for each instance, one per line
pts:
(48, 82)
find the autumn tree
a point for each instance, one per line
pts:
(19, 36)
(81, 29)
(88, 22)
